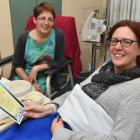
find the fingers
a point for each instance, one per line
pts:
(37, 111)
(36, 86)
(33, 107)
(29, 106)
(34, 114)
(32, 78)
(57, 123)
(57, 119)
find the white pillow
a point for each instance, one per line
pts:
(84, 114)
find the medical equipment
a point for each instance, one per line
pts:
(93, 28)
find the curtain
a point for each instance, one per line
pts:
(122, 9)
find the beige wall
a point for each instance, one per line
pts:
(79, 9)
(6, 40)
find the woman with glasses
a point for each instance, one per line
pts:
(38, 49)
(114, 88)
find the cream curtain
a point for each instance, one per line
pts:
(122, 9)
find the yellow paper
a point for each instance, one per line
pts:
(10, 104)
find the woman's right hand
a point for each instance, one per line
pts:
(33, 110)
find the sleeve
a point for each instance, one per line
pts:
(59, 49)
(60, 100)
(126, 125)
(18, 57)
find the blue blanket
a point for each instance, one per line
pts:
(31, 129)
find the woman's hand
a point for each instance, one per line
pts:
(57, 123)
(33, 110)
(36, 86)
(32, 75)
(32, 78)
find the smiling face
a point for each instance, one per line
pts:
(44, 22)
(124, 57)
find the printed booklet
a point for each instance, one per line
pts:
(10, 104)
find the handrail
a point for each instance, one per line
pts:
(6, 60)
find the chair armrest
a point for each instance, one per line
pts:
(6, 60)
(65, 62)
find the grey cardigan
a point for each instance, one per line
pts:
(122, 103)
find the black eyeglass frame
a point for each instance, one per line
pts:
(124, 42)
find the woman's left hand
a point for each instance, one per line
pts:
(57, 123)
(32, 75)
(36, 86)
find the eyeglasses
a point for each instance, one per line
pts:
(123, 42)
(44, 19)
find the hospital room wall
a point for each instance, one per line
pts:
(6, 38)
(79, 9)
(69, 7)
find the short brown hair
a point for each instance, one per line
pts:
(43, 7)
(133, 25)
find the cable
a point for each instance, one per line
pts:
(75, 65)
